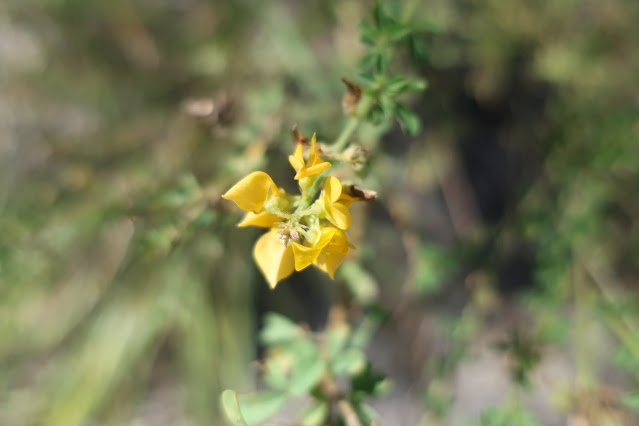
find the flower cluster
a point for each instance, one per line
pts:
(302, 230)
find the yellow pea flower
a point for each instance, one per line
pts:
(273, 257)
(298, 235)
(314, 166)
(253, 191)
(335, 204)
(305, 255)
(327, 254)
(333, 254)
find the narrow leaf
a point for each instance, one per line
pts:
(279, 329)
(349, 363)
(316, 414)
(231, 407)
(408, 120)
(260, 406)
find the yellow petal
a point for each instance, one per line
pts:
(262, 219)
(312, 171)
(337, 212)
(314, 166)
(346, 200)
(339, 215)
(273, 258)
(312, 155)
(332, 256)
(297, 159)
(304, 255)
(251, 192)
(332, 189)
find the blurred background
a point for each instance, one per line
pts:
(504, 243)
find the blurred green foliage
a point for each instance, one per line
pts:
(126, 293)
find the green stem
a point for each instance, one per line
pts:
(363, 107)
(309, 195)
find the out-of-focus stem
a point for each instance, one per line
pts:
(348, 413)
(363, 107)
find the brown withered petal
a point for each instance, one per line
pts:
(361, 194)
(299, 137)
(352, 88)
(351, 97)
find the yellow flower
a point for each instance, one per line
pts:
(314, 166)
(305, 255)
(299, 235)
(252, 192)
(333, 254)
(327, 254)
(273, 257)
(335, 203)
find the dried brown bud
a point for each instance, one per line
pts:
(361, 194)
(351, 97)
(299, 137)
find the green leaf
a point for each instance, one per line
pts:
(417, 49)
(365, 412)
(368, 62)
(279, 329)
(379, 15)
(368, 33)
(276, 372)
(316, 414)
(380, 64)
(370, 382)
(397, 31)
(376, 115)
(350, 362)
(398, 85)
(408, 120)
(366, 77)
(388, 105)
(415, 86)
(308, 368)
(395, 84)
(231, 407)
(262, 405)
